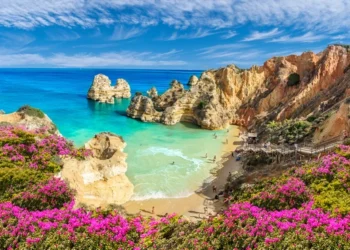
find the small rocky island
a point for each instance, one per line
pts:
(102, 91)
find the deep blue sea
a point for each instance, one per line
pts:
(61, 94)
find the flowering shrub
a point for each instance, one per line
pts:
(53, 193)
(288, 194)
(305, 208)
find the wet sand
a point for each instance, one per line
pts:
(193, 207)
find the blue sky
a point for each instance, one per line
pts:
(175, 34)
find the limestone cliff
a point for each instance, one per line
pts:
(100, 180)
(231, 95)
(30, 118)
(102, 91)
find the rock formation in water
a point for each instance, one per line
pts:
(193, 80)
(100, 180)
(152, 93)
(30, 118)
(283, 87)
(102, 91)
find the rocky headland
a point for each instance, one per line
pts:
(30, 118)
(102, 91)
(100, 179)
(282, 88)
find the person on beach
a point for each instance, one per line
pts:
(152, 210)
(214, 189)
(214, 159)
(173, 163)
(229, 177)
(233, 153)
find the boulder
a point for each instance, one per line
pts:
(193, 80)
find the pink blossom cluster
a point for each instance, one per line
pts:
(30, 227)
(51, 194)
(35, 149)
(306, 221)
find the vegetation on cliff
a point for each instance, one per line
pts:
(305, 208)
(289, 131)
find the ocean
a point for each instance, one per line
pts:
(151, 147)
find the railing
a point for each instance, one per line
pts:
(310, 149)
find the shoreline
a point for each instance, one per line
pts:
(192, 207)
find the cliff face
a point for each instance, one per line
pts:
(245, 97)
(100, 180)
(30, 118)
(102, 91)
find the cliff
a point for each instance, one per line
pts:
(283, 87)
(30, 118)
(102, 91)
(100, 180)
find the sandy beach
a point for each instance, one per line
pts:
(193, 207)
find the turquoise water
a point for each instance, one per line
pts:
(151, 148)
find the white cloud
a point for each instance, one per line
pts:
(229, 34)
(256, 35)
(200, 33)
(62, 35)
(308, 15)
(124, 33)
(221, 48)
(308, 37)
(114, 59)
(15, 39)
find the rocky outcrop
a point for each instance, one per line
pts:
(102, 91)
(152, 93)
(30, 118)
(193, 80)
(230, 95)
(100, 180)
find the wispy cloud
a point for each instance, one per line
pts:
(307, 15)
(166, 54)
(221, 48)
(62, 35)
(15, 39)
(113, 59)
(200, 33)
(256, 35)
(229, 34)
(308, 37)
(124, 33)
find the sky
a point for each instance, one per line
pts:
(169, 34)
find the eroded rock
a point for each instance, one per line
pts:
(100, 180)
(102, 91)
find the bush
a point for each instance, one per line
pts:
(293, 79)
(51, 194)
(31, 111)
(202, 105)
(291, 131)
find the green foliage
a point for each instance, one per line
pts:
(293, 79)
(15, 180)
(28, 110)
(258, 158)
(202, 104)
(311, 118)
(290, 131)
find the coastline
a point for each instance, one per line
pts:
(192, 207)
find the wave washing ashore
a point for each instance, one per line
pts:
(151, 148)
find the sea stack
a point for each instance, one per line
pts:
(102, 91)
(193, 80)
(100, 180)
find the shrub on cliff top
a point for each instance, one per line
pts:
(28, 110)
(293, 79)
